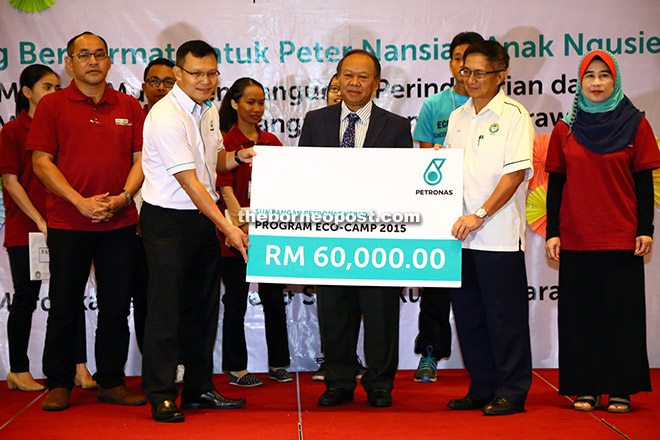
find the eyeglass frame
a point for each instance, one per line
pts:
(99, 55)
(478, 74)
(200, 75)
(153, 79)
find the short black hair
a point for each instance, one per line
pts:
(361, 52)
(496, 54)
(198, 49)
(157, 62)
(72, 41)
(463, 38)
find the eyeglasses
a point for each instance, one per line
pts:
(333, 89)
(100, 55)
(154, 81)
(199, 75)
(478, 74)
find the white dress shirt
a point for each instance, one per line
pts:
(179, 135)
(497, 141)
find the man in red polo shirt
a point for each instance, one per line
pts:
(86, 141)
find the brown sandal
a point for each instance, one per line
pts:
(590, 403)
(618, 405)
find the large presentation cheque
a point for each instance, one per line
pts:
(357, 217)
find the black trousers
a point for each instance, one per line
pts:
(71, 256)
(183, 299)
(341, 309)
(434, 326)
(23, 304)
(234, 349)
(140, 280)
(492, 320)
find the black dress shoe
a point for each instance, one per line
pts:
(335, 396)
(470, 401)
(167, 411)
(212, 400)
(379, 397)
(502, 407)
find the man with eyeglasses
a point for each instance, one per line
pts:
(86, 141)
(433, 341)
(182, 154)
(358, 123)
(158, 81)
(491, 308)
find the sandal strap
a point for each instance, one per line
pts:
(619, 401)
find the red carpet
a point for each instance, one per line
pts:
(272, 412)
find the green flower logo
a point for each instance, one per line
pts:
(32, 5)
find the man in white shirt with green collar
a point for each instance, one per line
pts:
(182, 153)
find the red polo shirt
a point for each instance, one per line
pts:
(599, 207)
(92, 144)
(239, 178)
(15, 159)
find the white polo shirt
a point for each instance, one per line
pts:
(179, 135)
(497, 141)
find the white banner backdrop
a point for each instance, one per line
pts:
(292, 47)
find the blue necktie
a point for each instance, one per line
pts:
(349, 135)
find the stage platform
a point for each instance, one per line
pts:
(289, 411)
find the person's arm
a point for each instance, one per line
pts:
(132, 185)
(645, 160)
(405, 139)
(96, 208)
(305, 139)
(13, 186)
(556, 183)
(555, 165)
(233, 207)
(424, 126)
(428, 145)
(227, 160)
(645, 211)
(503, 192)
(204, 202)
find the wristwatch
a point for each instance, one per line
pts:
(238, 159)
(481, 213)
(128, 195)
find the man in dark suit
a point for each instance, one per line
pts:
(355, 123)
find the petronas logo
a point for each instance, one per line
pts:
(433, 175)
(32, 5)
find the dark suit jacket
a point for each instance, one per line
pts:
(339, 332)
(321, 129)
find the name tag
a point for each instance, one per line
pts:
(120, 121)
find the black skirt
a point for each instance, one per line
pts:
(602, 323)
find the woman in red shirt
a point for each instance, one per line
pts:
(25, 203)
(600, 217)
(240, 112)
